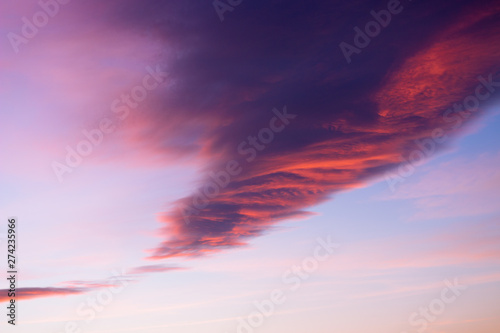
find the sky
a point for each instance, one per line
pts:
(250, 166)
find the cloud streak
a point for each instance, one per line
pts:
(31, 293)
(154, 269)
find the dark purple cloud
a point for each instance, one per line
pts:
(353, 121)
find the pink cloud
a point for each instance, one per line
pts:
(30, 293)
(154, 269)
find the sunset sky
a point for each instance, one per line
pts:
(251, 166)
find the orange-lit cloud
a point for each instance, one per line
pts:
(341, 137)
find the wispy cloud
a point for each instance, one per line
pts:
(30, 293)
(154, 269)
